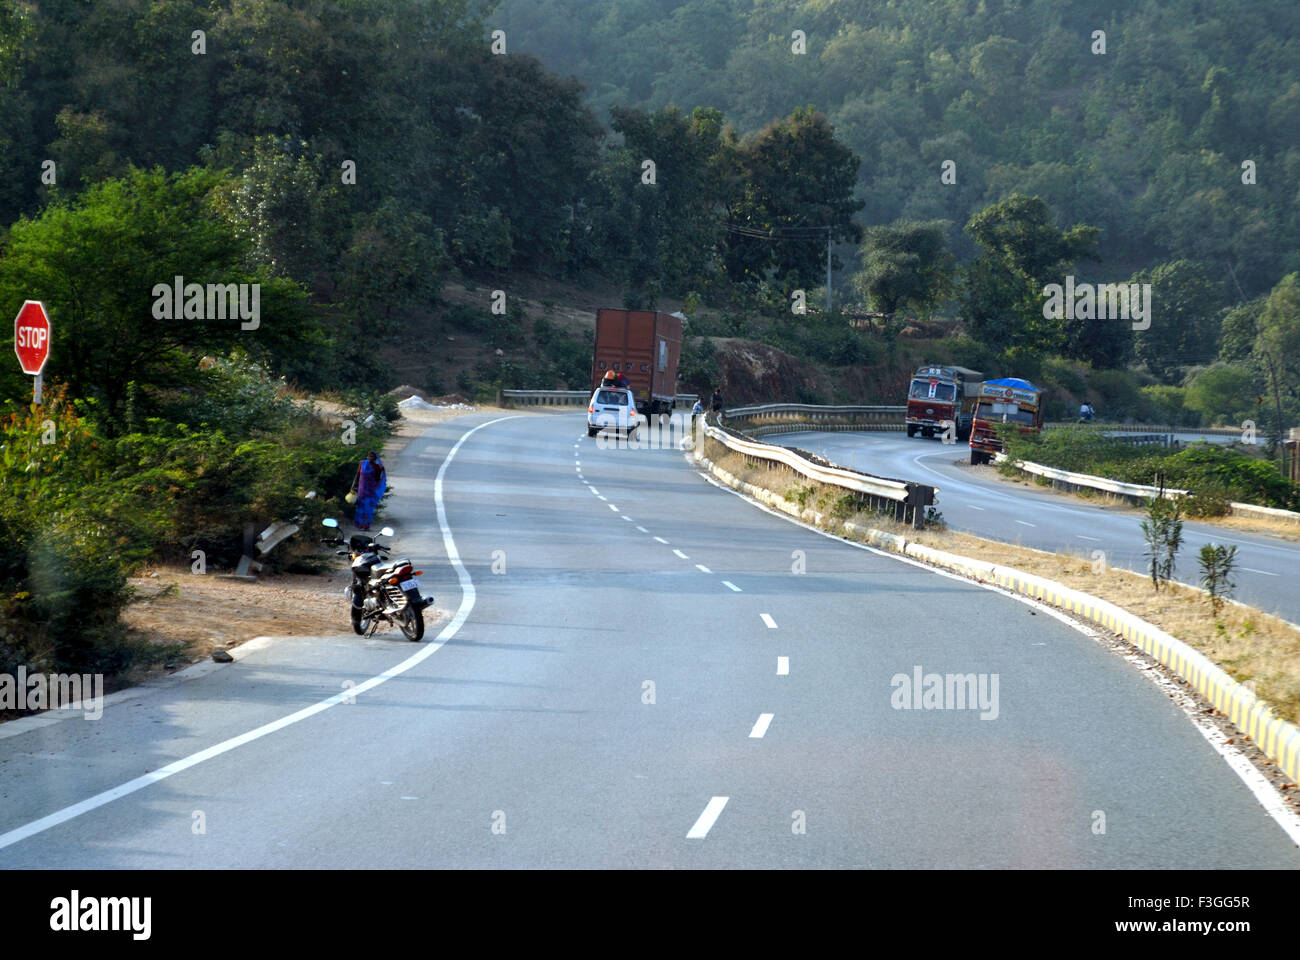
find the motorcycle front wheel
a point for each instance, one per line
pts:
(412, 622)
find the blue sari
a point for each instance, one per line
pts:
(372, 481)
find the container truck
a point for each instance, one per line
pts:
(1009, 400)
(940, 395)
(644, 346)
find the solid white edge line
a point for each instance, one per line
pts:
(706, 819)
(782, 666)
(1267, 795)
(767, 618)
(468, 597)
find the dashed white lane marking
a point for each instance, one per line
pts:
(642, 529)
(760, 726)
(767, 618)
(661, 540)
(627, 518)
(602, 498)
(1027, 523)
(593, 490)
(730, 586)
(681, 555)
(1264, 572)
(1093, 539)
(782, 666)
(707, 819)
(702, 568)
(612, 507)
(973, 507)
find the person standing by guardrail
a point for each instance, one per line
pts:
(719, 407)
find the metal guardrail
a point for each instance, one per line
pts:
(1140, 493)
(908, 500)
(569, 398)
(1136, 491)
(1143, 428)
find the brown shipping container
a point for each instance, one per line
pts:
(644, 345)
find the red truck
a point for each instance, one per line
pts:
(939, 395)
(644, 346)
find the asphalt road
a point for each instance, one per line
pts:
(630, 645)
(974, 499)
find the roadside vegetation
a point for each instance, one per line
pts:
(1215, 474)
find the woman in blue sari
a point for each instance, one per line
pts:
(370, 484)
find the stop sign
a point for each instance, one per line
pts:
(32, 337)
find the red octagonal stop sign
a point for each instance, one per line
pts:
(32, 337)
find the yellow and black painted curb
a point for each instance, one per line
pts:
(1276, 737)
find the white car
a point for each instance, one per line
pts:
(612, 408)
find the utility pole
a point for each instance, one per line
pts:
(828, 269)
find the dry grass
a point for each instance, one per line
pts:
(1252, 646)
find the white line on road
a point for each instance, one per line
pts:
(730, 586)
(642, 529)
(467, 600)
(767, 618)
(760, 726)
(1264, 572)
(973, 507)
(710, 815)
(782, 666)
(602, 498)
(702, 568)
(1093, 539)
(627, 518)
(593, 490)
(681, 555)
(661, 540)
(1027, 523)
(612, 507)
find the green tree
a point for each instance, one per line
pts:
(95, 260)
(1277, 348)
(797, 183)
(395, 260)
(906, 264)
(1021, 252)
(1185, 314)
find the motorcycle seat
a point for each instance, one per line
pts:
(388, 566)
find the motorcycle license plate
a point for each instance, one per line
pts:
(408, 585)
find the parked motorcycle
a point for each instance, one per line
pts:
(382, 591)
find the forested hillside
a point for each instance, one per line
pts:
(1144, 141)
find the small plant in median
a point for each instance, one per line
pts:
(1216, 571)
(1163, 530)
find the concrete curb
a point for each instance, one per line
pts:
(1278, 738)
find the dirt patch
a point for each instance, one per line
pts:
(206, 612)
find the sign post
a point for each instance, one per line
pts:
(32, 335)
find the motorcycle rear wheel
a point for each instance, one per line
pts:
(412, 622)
(358, 626)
